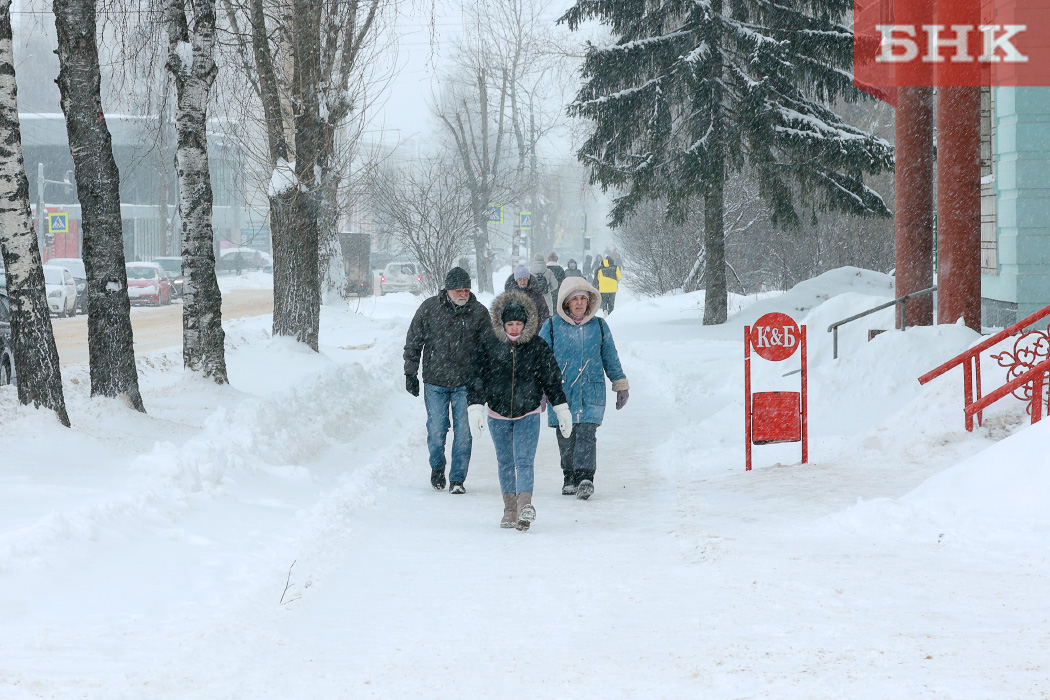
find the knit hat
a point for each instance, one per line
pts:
(538, 258)
(514, 312)
(457, 278)
(521, 272)
(553, 257)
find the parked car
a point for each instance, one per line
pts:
(7, 356)
(76, 268)
(172, 267)
(61, 290)
(147, 284)
(242, 259)
(401, 277)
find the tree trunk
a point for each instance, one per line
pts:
(715, 286)
(203, 340)
(332, 274)
(298, 313)
(481, 247)
(111, 347)
(32, 341)
(715, 301)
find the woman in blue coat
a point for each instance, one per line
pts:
(584, 348)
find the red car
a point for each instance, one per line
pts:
(148, 284)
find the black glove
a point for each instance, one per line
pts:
(621, 399)
(412, 384)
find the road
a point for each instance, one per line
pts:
(155, 328)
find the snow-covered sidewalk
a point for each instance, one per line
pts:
(152, 556)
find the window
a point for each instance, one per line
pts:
(989, 235)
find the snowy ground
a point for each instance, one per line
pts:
(278, 538)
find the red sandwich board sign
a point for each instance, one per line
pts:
(775, 416)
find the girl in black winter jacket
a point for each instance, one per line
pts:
(511, 372)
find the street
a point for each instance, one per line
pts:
(155, 328)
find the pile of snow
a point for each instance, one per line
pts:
(997, 499)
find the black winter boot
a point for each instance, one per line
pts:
(568, 488)
(437, 479)
(585, 488)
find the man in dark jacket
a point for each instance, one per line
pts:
(522, 280)
(446, 330)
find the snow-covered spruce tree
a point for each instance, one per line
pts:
(694, 90)
(111, 350)
(33, 343)
(191, 63)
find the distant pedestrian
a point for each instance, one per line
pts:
(572, 269)
(607, 279)
(588, 267)
(446, 330)
(559, 276)
(521, 279)
(511, 372)
(584, 348)
(546, 280)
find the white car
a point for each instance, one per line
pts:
(76, 268)
(401, 277)
(61, 290)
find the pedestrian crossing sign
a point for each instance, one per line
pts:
(58, 222)
(525, 221)
(495, 214)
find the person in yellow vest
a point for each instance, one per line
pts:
(607, 280)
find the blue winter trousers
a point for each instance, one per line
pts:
(515, 442)
(438, 400)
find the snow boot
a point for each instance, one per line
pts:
(586, 486)
(526, 513)
(510, 511)
(437, 479)
(568, 488)
(456, 487)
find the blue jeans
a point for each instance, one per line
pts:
(515, 442)
(438, 399)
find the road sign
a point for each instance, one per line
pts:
(58, 222)
(525, 220)
(583, 223)
(495, 214)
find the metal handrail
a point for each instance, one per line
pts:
(985, 344)
(971, 366)
(1035, 375)
(834, 327)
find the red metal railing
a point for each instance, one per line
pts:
(970, 361)
(1036, 375)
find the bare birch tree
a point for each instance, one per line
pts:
(309, 70)
(191, 63)
(32, 339)
(478, 125)
(111, 347)
(425, 209)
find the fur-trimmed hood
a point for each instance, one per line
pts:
(531, 325)
(571, 286)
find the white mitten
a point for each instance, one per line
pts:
(564, 419)
(476, 419)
